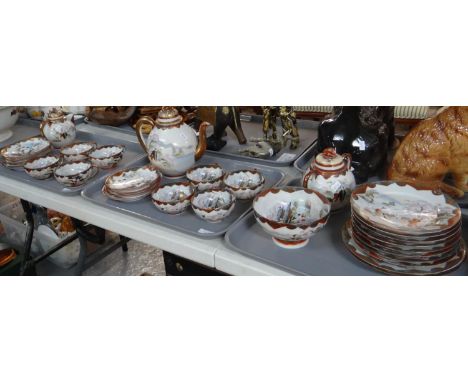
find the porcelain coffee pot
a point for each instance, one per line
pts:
(331, 175)
(58, 128)
(171, 145)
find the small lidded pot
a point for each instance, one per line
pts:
(244, 184)
(206, 177)
(58, 128)
(330, 174)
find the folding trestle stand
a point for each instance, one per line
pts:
(85, 233)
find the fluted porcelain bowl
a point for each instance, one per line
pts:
(173, 198)
(206, 177)
(43, 167)
(291, 215)
(77, 151)
(244, 184)
(106, 156)
(213, 205)
(74, 174)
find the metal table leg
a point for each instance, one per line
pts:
(84, 233)
(26, 261)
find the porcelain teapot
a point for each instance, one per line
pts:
(171, 144)
(331, 175)
(58, 128)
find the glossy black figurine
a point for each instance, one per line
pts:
(366, 132)
(221, 117)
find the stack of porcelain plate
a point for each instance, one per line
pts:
(132, 184)
(398, 229)
(17, 154)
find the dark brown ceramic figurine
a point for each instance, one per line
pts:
(288, 121)
(221, 117)
(366, 132)
(433, 149)
(110, 115)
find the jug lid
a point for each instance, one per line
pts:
(55, 114)
(329, 159)
(169, 117)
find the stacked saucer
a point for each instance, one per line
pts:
(399, 229)
(17, 154)
(132, 184)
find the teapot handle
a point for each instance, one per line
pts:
(306, 178)
(347, 158)
(142, 123)
(201, 140)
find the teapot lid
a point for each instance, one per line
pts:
(169, 117)
(329, 158)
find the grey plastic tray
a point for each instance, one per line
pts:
(28, 128)
(324, 255)
(125, 128)
(24, 119)
(303, 161)
(187, 221)
(252, 127)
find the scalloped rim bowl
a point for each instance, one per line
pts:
(77, 151)
(291, 215)
(165, 198)
(202, 204)
(106, 156)
(42, 167)
(244, 184)
(74, 174)
(205, 177)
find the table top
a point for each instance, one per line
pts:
(210, 252)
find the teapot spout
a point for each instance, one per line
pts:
(201, 148)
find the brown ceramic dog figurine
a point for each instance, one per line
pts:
(434, 148)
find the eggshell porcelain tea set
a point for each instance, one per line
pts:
(173, 148)
(210, 191)
(73, 165)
